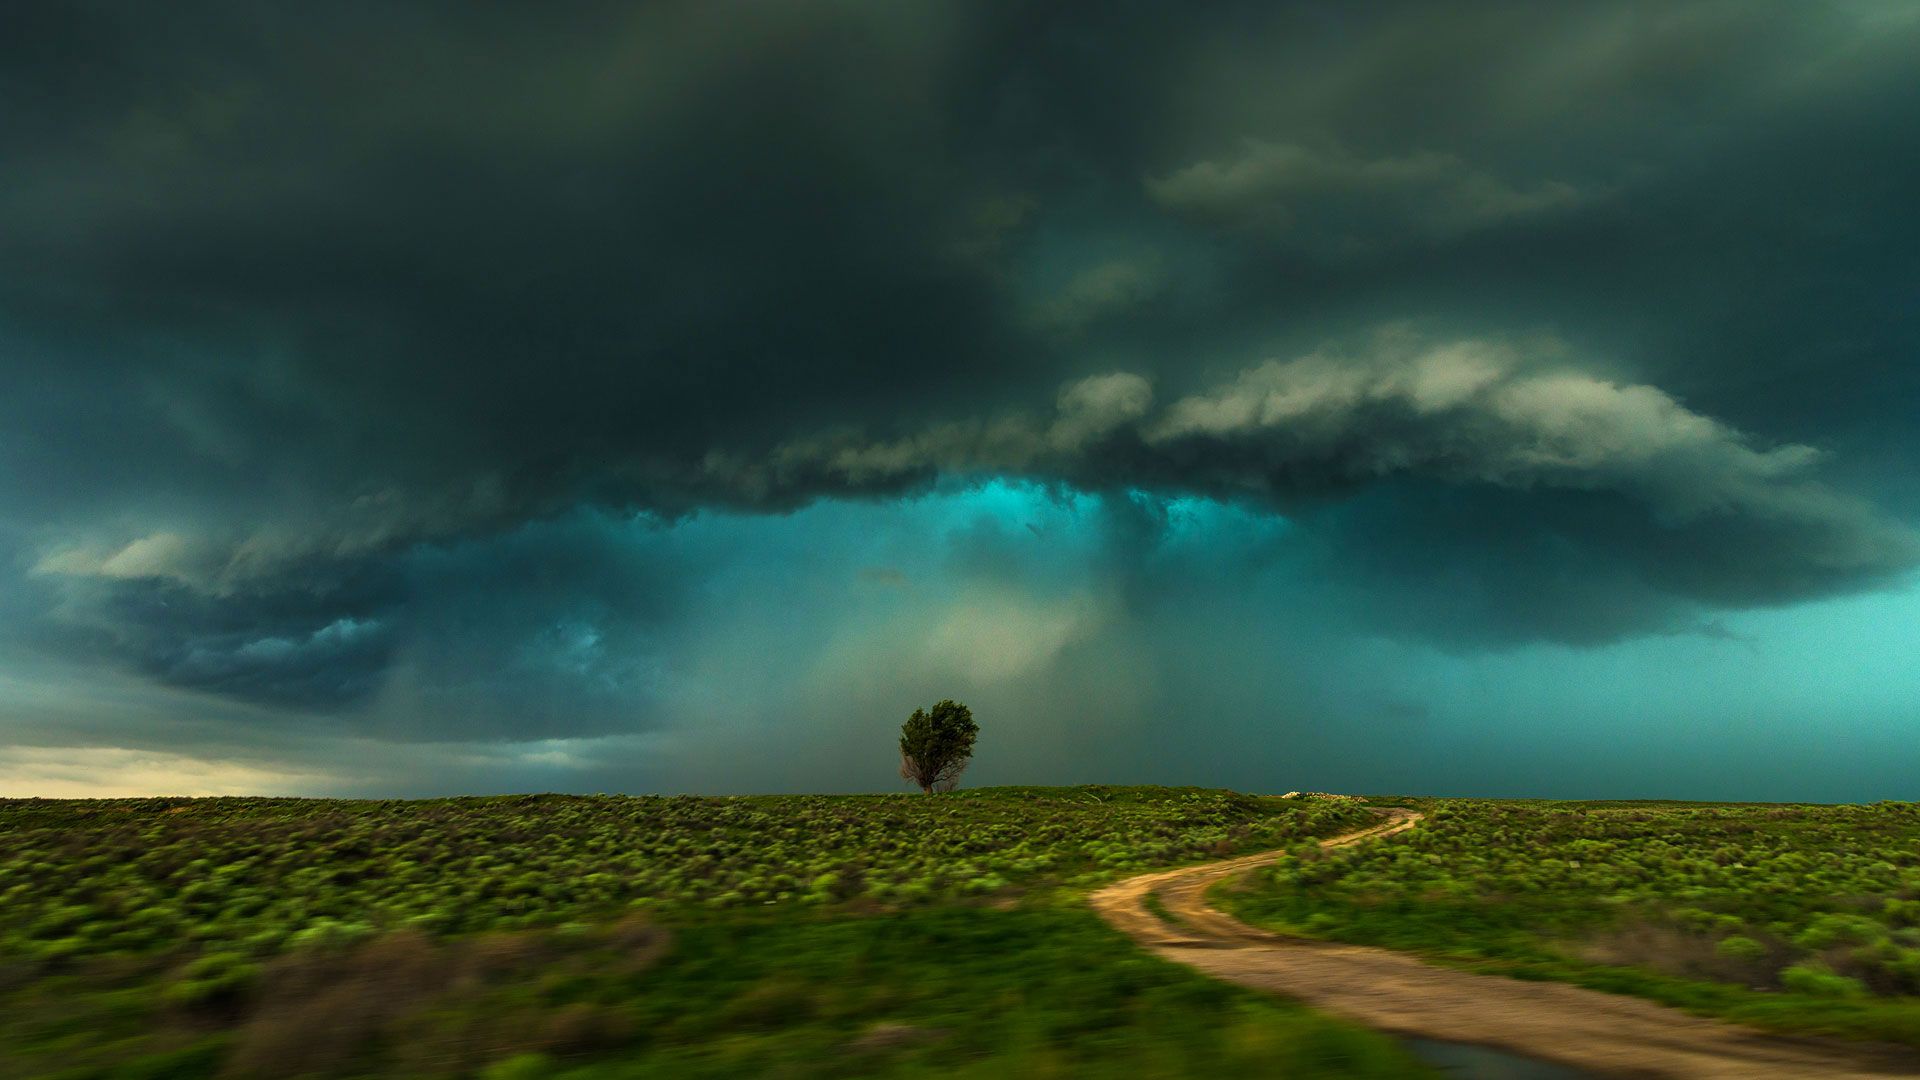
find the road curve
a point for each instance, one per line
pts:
(1607, 1034)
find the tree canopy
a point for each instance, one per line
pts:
(936, 744)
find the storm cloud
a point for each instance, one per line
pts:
(1343, 203)
(466, 374)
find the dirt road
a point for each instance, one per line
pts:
(1608, 1034)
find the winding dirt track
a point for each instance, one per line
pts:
(1607, 1034)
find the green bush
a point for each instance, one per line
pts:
(1819, 980)
(211, 980)
(1829, 930)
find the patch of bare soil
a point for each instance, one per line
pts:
(1607, 1034)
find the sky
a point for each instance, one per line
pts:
(439, 398)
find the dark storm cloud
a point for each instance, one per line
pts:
(565, 637)
(366, 258)
(318, 640)
(312, 318)
(1682, 505)
(1343, 204)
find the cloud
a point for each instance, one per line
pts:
(314, 643)
(253, 555)
(1700, 513)
(159, 555)
(1334, 199)
(1107, 289)
(1482, 412)
(1094, 408)
(469, 348)
(1463, 412)
(1750, 525)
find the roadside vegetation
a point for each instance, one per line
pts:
(1800, 918)
(84, 878)
(607, 937)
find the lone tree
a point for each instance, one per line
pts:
(936, 744)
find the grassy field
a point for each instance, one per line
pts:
(1800, 918)
(630, 937)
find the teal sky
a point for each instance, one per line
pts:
(1494, 399)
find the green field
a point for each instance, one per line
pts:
(616, 937)
(1801, 918)
(817, 936)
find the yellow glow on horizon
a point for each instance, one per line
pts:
(91, 772)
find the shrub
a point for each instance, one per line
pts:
(1819, 980)
(213, 980)
(1829, 930)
